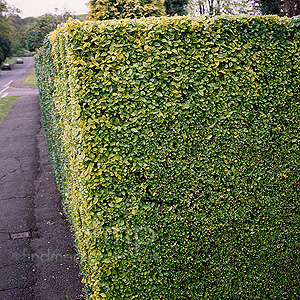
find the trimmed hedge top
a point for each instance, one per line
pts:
(176, 147)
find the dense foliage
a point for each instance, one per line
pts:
(289, 8)
(175, 143)
(5, 48)
(269, 7)
(218, 7)
(33, 34)
(174, 7)
(10, 31)
(26, 35)
(5, 43)
(120, 9)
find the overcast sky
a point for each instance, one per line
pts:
(35, 8)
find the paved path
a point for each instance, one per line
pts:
(43, 265)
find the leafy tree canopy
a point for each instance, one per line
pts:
(174, 7)
(269, 7)
(287, 8)
(33, 34)
(5, 29)
(218, 7)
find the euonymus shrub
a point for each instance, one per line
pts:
(175, 143)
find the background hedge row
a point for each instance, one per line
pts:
(175, 143)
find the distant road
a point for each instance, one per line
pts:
(9, 79)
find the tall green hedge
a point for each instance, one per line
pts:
(176, 148)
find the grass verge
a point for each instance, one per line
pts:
(5, 105)
(31, 78)
(11, 60)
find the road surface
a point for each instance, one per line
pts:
(11, 80)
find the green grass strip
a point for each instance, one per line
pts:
(30, 79)
(5, 105)
(11, 60)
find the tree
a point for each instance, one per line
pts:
(1, 55)
(5, 30)
(33, 34)
(287, 8)
(269, 7)
(174, 7)
(218, 7)
(290, 8)
(6, 46)
(121, 9)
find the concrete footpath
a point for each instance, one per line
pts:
(37, 257)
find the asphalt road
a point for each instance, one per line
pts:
(8, 76)
(10, 80)
(37, 256)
